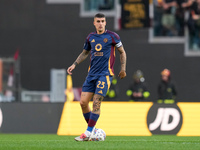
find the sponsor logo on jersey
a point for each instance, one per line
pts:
(98, 54)
(93, 41)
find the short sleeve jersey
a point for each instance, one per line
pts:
(102, 49)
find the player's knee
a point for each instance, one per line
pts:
(83, 104)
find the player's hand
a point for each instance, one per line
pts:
(122, 74)
(70, 69)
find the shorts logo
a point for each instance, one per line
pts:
(98, 47)
(100, 92)
(164, 119)
(105, 40)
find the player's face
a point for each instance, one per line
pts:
(100, 24)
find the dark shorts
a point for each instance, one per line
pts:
(97, 84)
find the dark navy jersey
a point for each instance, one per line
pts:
(102, 47)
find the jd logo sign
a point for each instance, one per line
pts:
(164, 119)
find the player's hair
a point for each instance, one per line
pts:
(99, 15)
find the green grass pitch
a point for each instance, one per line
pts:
(55, 142)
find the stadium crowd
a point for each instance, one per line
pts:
(171, 17)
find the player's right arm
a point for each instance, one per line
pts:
(79, 59)
(122, 52)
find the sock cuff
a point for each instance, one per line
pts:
(87, 115)
(89, 129)
(94, 116)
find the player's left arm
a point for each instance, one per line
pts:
(122, 52)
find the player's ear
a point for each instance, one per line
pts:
(105, 21)
(94, 21)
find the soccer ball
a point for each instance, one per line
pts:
(99, 135)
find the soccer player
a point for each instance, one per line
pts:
(101, 45)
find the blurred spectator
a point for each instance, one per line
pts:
(106, 5)
(112, 93)
(96, 5)
(158, 12)
(194, 24)
(138, 89)
(168, 18)
(166, 89)
(182, 5)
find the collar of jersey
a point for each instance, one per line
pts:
(102, 33)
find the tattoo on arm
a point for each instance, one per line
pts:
(75, 63)
(82, 57)
(97, 103)
(122, 58)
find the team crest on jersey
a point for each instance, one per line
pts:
(105, 40)
(98, 47)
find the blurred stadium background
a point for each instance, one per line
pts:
(40, 39)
